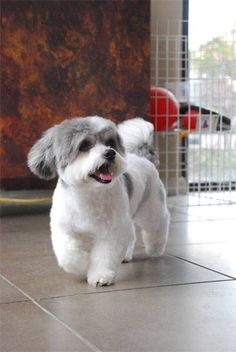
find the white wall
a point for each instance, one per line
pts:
(164, 10)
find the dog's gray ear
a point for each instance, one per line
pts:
(41, 158)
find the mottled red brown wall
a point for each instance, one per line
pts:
(69, 58)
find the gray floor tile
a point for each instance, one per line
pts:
(25, 236)
(10, 294)
(28, 261)
(40, 277)
(26, 328)
(202, 232)
(211, 212)
(196, 199)
(192, 199)
(32, 243)
(192, 318)
(219, 256)
(178, 215)
(27, 194)
(196, 315)
(22, 224)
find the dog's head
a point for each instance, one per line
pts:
(80, 151)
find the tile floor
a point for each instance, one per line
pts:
(183, 301)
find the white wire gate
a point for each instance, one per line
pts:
(193, 108)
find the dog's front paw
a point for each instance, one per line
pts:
(105, 277)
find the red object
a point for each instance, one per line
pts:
(164, 108)
(189, 119)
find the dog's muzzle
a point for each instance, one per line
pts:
(104, 174)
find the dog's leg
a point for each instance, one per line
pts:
(70, 254)
(155, 240)
(107, 254)
(129, 253)
(153, 217)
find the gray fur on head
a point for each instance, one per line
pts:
(61, 144)
(41, 158)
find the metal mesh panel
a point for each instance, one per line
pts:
(197, 139)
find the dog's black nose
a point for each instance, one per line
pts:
(109, 154)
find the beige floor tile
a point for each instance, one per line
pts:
(26, 328)
(215, 256)
(192, 318)
(212, 212)
(199, 232)
(40, 277)
(9, 293)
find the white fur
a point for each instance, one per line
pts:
(135, 132)
(93, 225)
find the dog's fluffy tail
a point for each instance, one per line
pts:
(137, 135)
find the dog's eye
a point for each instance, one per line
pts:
(85, 145)
(111, 143)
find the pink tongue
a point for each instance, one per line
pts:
(104, 176)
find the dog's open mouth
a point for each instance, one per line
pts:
(103, 174)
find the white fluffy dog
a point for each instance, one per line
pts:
(103, 194)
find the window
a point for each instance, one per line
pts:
(211, 84)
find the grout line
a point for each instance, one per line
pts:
(170, 285)
(202, 266)
(199, 243)
(122, 289)
(187, 221)
(13, 257)
(160, 286)
(80, 337)
(11, 302)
